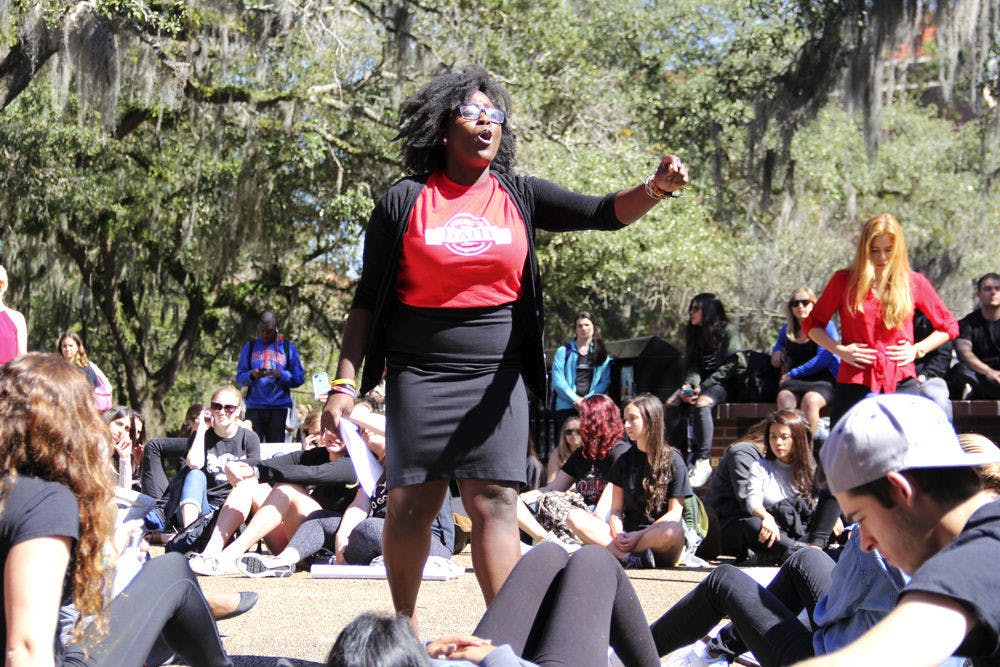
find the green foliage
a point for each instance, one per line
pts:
(229, 161)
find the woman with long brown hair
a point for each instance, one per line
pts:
(71, 348)
(876, 297)
(781, 493)
(55, 517)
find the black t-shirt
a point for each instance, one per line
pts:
(628, 472)
(984, 336)
(966, 572)
(590, 475)
(219, 452)
(36, 508)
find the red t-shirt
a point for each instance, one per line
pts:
(867, 327)
(465, 247)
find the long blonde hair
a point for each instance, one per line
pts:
(49, 429)
(894, 285)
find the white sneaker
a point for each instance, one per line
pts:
(693, 655)
(210, 566)
(700, 472)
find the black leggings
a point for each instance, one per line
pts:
(164, 598)
(555, 609)
(364, 544)
(764, 619)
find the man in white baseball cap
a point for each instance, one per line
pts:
(895, 465)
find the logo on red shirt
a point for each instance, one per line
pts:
(467, 235)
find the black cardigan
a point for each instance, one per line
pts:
(542, 205)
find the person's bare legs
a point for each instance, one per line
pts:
(812, 403)
(496, 545)
(245, 497)
(786, 400)
(666, 539)
(592, 530)
(406, 539)
(527, 522)
(286, 506)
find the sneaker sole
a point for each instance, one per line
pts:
(255, 568)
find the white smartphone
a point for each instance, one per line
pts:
(321, 385)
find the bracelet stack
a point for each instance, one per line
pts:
(343, 386)
(656, 193)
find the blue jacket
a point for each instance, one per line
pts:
(564, 376)
(268, 393)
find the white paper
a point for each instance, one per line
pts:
(366, 466)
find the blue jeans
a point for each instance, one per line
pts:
(195, 489)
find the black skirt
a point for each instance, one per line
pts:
(456, 405)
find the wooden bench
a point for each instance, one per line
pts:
(733, 419)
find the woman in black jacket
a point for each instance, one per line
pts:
(449, 302)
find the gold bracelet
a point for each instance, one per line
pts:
(342, 381)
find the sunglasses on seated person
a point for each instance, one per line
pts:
(795, 303)
(221, 407)
(470, 111)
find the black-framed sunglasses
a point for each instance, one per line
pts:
(471, 111)
(795, 303)
(572, 431)
(222, 407)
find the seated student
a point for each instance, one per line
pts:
(644, 497)
(896, 467)
(54, 526)
(978, 345)
(536, 619)
(585, 470)
(206, 480)
(301, 483)
(355, 537)
(569, 441)
(128, 438)
(728, 490)
(780, 492)
(932, 368)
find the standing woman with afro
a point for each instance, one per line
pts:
(449, 304)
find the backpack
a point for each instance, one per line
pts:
(758, 383)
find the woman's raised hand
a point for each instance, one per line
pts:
(671, 175)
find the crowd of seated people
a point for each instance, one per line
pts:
(619, 483)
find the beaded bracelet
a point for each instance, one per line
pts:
(656, 193)
(345, 389)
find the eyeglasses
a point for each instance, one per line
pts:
(572, 431)
(694, 309)
(795, 303)
(228, 409)
(470, 111)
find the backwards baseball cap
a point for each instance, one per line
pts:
(890, 432)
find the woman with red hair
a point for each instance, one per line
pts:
(638, 518)
(586, 467)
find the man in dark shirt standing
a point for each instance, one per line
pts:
(897, 469)
(978, 344)
(270, 366)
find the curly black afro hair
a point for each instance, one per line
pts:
(424, 114)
